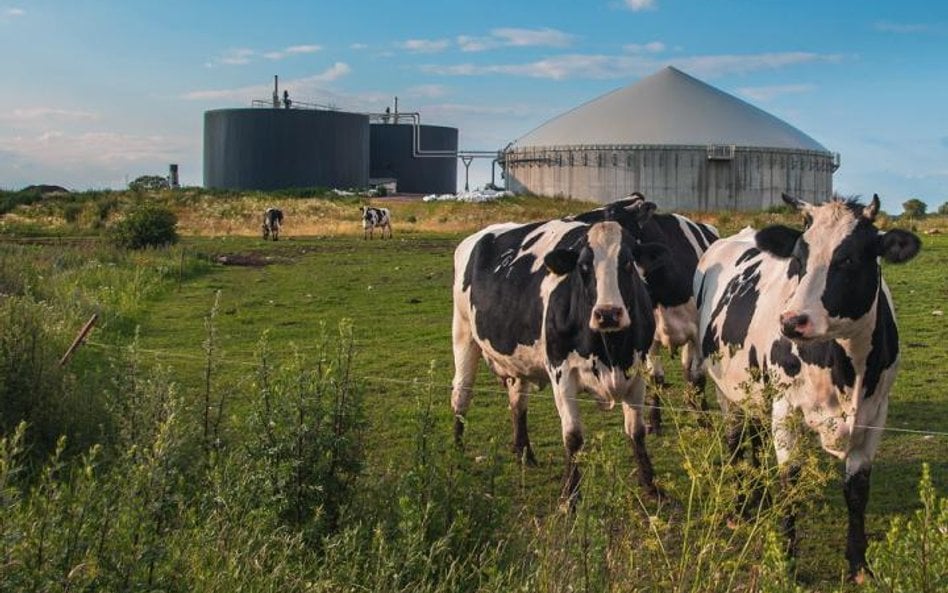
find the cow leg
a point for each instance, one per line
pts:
(466, 356)
(784, 435)
(856, 492)
(518, 394)
(743, 431)
(634, 427)
(653, 362)
(694, 375)
(564, 394)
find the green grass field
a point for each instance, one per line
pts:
(397, 294)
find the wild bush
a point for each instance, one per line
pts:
(914, 555)
(146, 226)
(914, 208)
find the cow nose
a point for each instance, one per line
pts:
(608, 317)
(795, 325)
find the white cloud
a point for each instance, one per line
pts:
(53, 148)
(533, 37)
(595, 66)
(767, 93)
(300, 86)
(303, 49)
(652, 47)
(638, 5)
(470, 43)
(32, 114)
(430, 91)
(358, 46)
(903, 28)
(236, 57)
(425, 46)
(14, 12)
(515, 37)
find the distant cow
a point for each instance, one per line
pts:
(676, 316)
(556, 302)
(807, 312)
(375, 217)
(272, 221)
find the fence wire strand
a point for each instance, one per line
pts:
(474, 389)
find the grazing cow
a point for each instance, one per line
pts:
(676, 316)
(375, 217)
(272, 221)
(807, 313)
(555, 302)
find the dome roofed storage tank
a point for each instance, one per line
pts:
(677, 140)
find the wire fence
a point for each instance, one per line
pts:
(419, 382)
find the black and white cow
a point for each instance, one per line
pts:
(556, 302)
(808, 313)
(272, 221)
(676, 316)
(375, 217)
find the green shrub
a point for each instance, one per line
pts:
(914, 555)
(146, 226)
(71, 212)
(943, 209)
(148, 182)
(914, 208)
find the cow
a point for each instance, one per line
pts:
(556, 302)
(808, 314)
(272, 221)
(676, 316)
(375, 217)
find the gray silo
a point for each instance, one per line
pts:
(396, 153)
(266, 148)
(683, 143)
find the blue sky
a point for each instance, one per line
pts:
(98, 92)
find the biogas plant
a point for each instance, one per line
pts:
(681, 142)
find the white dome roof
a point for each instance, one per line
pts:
(668, 108)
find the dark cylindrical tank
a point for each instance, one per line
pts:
(267, 149)
(391, 155)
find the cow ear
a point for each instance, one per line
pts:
(897, 246)
(631, 215)
(869, 211)
(796, 203)
(651, 256)
(777, 240)
(561, 261)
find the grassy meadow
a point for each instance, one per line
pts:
(253, 415)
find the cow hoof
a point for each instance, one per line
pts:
(860, 576)
(525, 456)
(653, 429)
(657, 494)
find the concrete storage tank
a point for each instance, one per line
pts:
(396, 153)
(266, 148)
(684, 144)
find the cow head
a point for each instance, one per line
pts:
(834, 262)
(604, 271)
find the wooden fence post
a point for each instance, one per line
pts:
(78, 341)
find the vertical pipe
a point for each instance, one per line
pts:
(276, 93)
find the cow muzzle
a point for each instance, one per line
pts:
(609, 318)
(796, 326)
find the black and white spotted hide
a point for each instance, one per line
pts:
(556, 302)
(670, 286)
(807, 311)
(272, 221)
(373, 218)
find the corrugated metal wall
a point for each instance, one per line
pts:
(266, 149)
(391, 156)
(681, 178)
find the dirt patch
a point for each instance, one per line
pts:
(252, 260)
